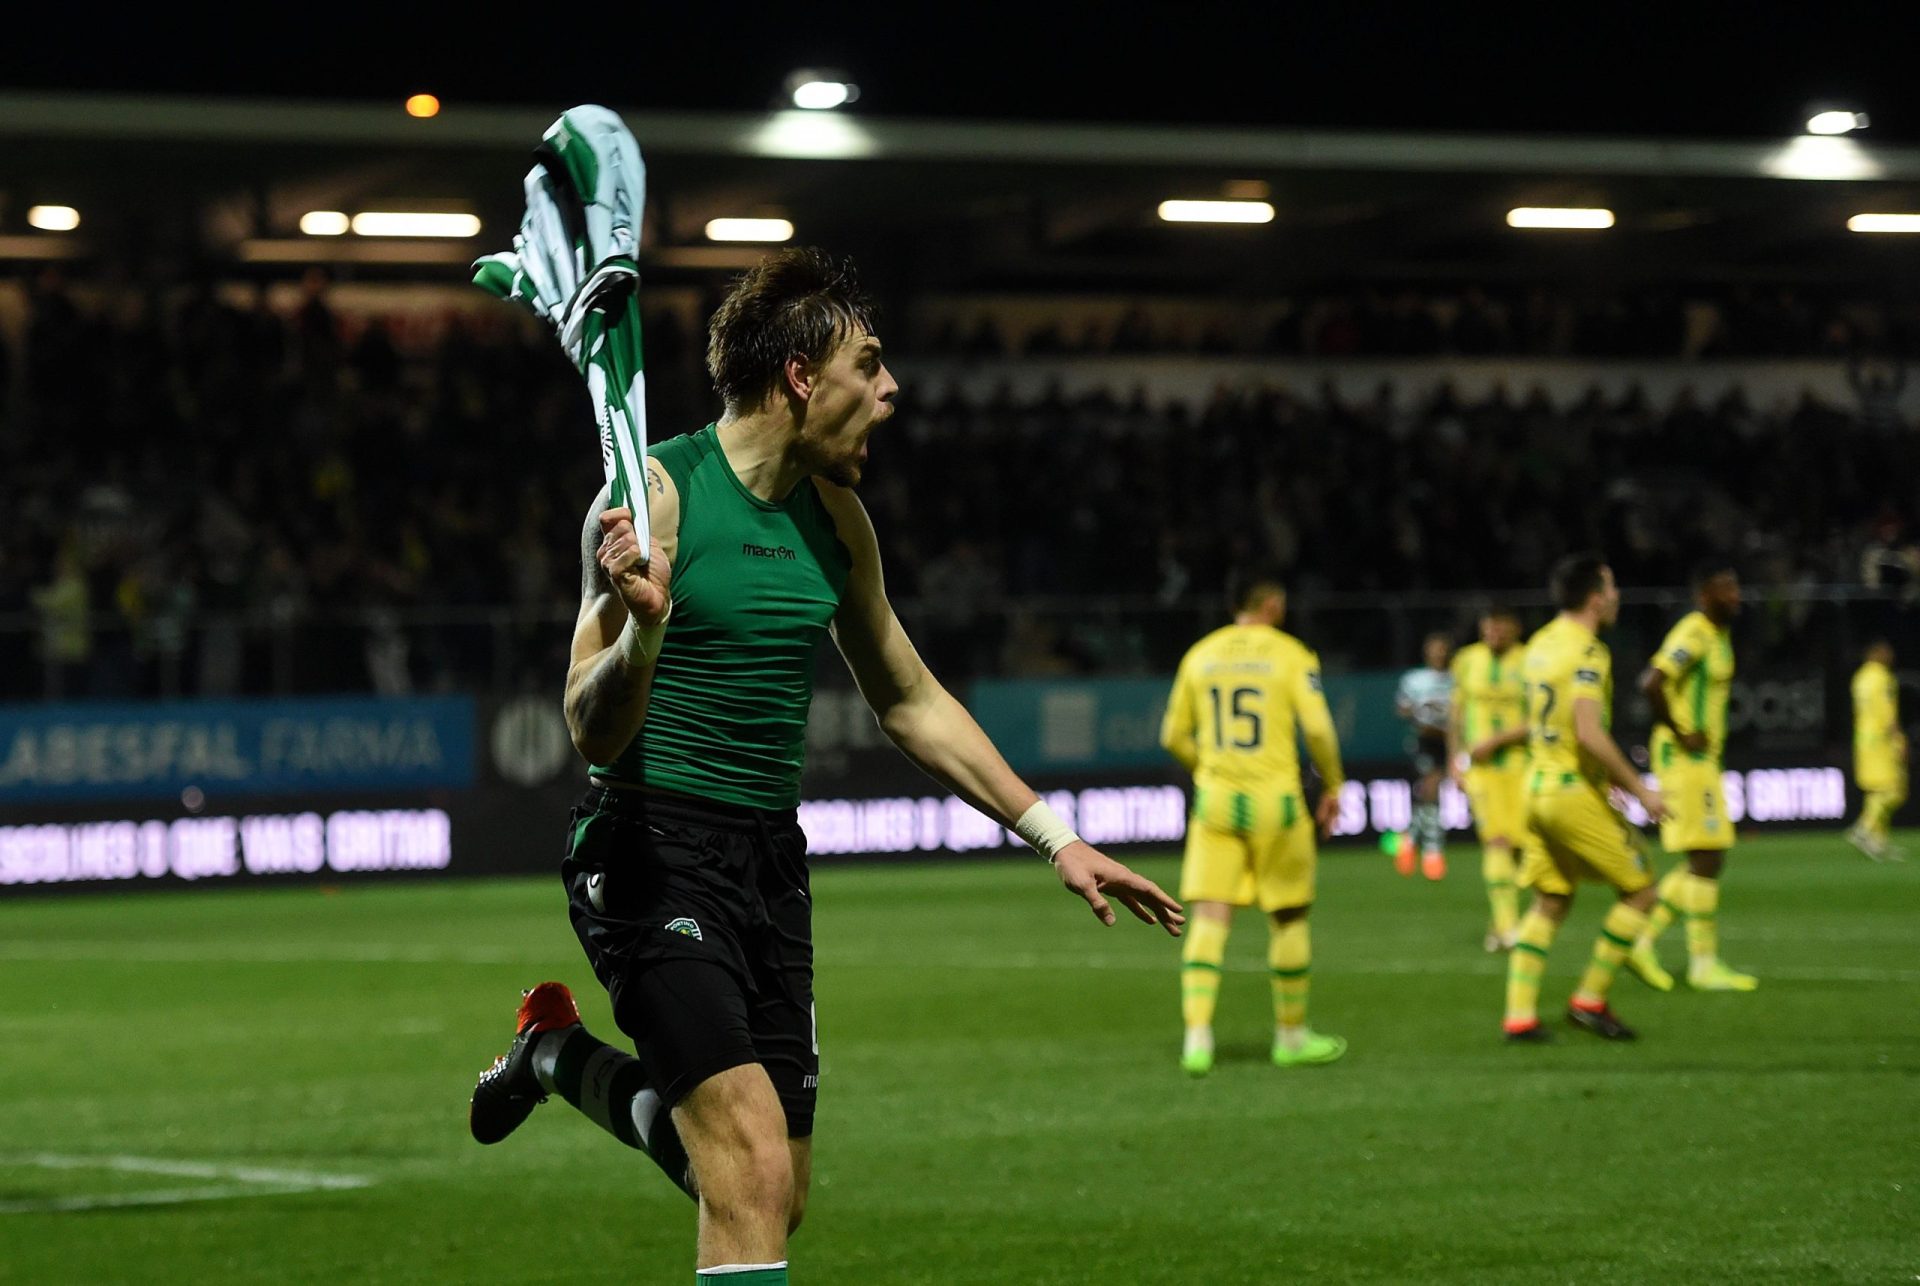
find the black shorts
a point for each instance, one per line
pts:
(1429, 757)
(698, 920)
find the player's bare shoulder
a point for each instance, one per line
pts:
(850, 521)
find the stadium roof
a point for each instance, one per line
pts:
(1640, 70)
(798, 135)
(959, 203)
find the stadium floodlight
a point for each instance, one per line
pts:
(1834, 159)
(820, 95)
(1216, 211)
(414, 223)
(1559, 216)
(54, 218)
(324, 223)
(423, 106)
(1836, 121)
(817, 89)
(1884, 223)
(749, 230)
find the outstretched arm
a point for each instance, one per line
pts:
(935, 731)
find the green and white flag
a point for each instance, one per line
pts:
(573, 266)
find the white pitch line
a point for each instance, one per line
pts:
(161, 1197)
(310, 953)
(243, 1181)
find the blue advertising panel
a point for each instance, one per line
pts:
(86, 751)
(1078, 725)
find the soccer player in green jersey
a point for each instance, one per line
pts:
(688, 692)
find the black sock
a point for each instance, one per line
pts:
(610, 1089)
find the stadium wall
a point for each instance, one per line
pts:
(229, 793)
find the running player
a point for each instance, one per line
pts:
(692, 673)
(1486, 747)
(1573, 833)
(1879, 753)
(1243, 697)
(1425, 701)
(1686, 685)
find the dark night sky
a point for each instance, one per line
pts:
(1681, 68)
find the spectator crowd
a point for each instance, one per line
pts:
(1405, 321)
(202, 494)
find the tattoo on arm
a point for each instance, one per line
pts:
(592, 579)
(609, 688)
(654, 480)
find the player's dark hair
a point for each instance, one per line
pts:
(1250, 586)
(1500, 612)
(1707, 568)
(799, 301)
(1575, 579)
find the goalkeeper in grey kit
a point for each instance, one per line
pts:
(687, 695)
(1425, 701)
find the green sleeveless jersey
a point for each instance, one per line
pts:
(755, 587)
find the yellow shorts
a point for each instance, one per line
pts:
(1244, 851)
(1875, 775)
(1573, 834)
(1499, 798)
(1696, 806)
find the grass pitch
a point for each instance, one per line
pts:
(271, 1086)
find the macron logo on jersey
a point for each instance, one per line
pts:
(779, 552)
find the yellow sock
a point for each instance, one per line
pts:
(1876, 815)
(1670, 907)
(1496, 867)
(1290, 955)
(1703, 924)
(1617, 934)
(1202, 948)
(1524, 967)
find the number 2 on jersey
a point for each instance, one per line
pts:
(1246, 718)
(1544, 711)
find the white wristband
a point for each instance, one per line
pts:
(640, 644)
(1043, 830)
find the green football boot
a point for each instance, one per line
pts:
(1312, 1051)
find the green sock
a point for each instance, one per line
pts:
(744, 1275)
(610, 1089)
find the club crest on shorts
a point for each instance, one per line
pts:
(687, 926)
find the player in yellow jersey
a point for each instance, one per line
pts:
(1244, 695)
(1686, 685)
(1879, 753)
(1486, 749)
(1573, 833)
